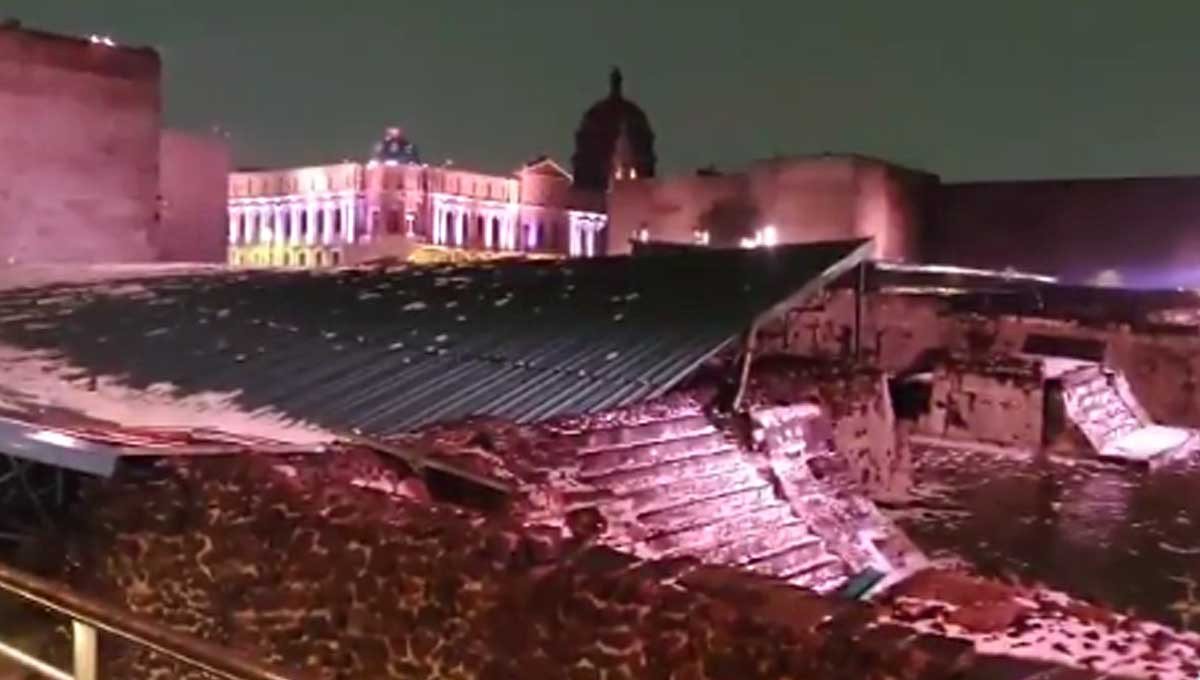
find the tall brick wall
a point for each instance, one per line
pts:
(195, 177)
(79, 149)
(805, 199)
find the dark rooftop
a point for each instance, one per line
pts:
(387, 350)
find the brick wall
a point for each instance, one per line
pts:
(805, 199)
(79, 149)
(195, 172)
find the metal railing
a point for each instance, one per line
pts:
(89, 616)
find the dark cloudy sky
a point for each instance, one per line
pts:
(966, 88)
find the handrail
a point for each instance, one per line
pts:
(86, 612)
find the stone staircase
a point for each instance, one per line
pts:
(676, 486)
(1099, 403)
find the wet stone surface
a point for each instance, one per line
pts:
(1127, 538)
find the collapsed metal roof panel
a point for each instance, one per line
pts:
(386, 350)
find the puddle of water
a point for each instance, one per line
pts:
(1127, 538)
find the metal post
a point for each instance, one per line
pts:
(744, 374)
(87, 666)
(860, 285)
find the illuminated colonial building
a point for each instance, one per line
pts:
(394, 205)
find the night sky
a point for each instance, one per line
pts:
(1017, 88)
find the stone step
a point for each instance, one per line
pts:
(705, 511)
(626, 481)
(641, 433)
(679, 491)
(786, 562)
(624, 457)
(728, 528)
(765, 543)
(821, 574)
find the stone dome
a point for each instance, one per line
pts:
(395, 148)
(614, 135)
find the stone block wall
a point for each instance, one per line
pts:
(79, 149)
(903, 332)
(998, 401)
(858, 406)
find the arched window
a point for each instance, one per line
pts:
(337, 221)
(460, 237)
(480, 227)
(393, 221)
(303, 224)
(496, 234)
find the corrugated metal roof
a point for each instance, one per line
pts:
(389, 350)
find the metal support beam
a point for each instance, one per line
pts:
(26, 660)
(89, 616)
(29, 492)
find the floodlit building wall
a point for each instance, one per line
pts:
(336, 214)
(802, 199)
(79, 149)
(194, 177)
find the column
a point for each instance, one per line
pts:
(256, 236)
(250, 228)
(310, 229)
(435, 234)
(293, 235)
(276, 222)
(327, 223)
(235, 225)
(347, 235)
(488, 221)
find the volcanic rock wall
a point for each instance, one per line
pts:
(79, 142)
(295, 563)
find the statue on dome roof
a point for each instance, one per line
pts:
(395, 148)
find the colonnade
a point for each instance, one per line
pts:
(294, 221)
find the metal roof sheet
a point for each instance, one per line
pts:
(389, 350)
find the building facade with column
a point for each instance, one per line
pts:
(394, 204)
